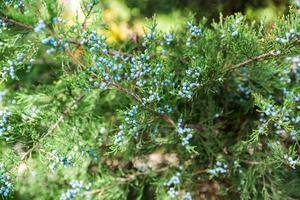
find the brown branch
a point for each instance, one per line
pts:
(272, 53)
(263, 56)
(16, 23)
(53, 127)
(251, 162)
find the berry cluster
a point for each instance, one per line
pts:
(5, 183)
(220, 168)
(234, 27)
(185, 133)
(289, 36)
(195, 31)
(12, 64)
(14, 3)
(172, 183)
(187, 196)
(66, 160)
(168, 39)
(4, 117)
(192, 83)
(291, 162)
(77, 190)
(40, 26)
(119, 137)
(95, 42)
(55, 45)
(2, 25)
(58, 20)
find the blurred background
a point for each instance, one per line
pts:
(127, 17)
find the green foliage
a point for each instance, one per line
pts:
(209, 111)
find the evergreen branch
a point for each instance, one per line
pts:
(120, 88)
(272, 53)
(54, 126)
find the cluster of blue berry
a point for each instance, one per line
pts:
(114, 67)
(111, 68)
(295, 69)
(165, 109)
(150, 36)
(108, 69)
(40, 26)
(195, 31)
(94, 42)
(220, 168)
(66, 160)
(3, 25)
(58, 20)
(119, 137)
(192, 83)
(270, 110)
(291, 162)
(245, 90)
(55, 45)
(233, 28)
(262, 124)
(291, 115)
(289, 36)
(5, 183)
(185, 133)
(139, 67)
(281, 117)
(187, 196)
(4, 118)
(14, 3)
(151, 97)
(77, 190)
(130, 119)
(172, 184)
(168, 39)
(12, 64)
(285, 76)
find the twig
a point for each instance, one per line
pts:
(251, 162)
(16, 23)
(87, 15)
(272, 53)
